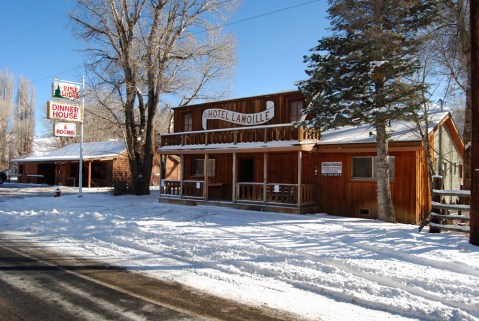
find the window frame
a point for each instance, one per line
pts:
(198, 165)
(298, 114)
(189, 116)
(392, 168)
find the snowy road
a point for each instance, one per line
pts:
(39, 290)
(315, 266)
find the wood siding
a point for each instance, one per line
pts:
(245, 105)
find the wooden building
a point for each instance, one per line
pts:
(248, 153)
(102, 162)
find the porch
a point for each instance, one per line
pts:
(246, 193)
(249, 167)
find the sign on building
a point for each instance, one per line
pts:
(331, 168)
(239, 118)
(66, 90)
(65, 130)
(64, 111)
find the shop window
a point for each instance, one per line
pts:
(198, 167)
(295, 110)
(188, 122)
(74, 170)
(99, 170)
(365, 167)
(21, 169)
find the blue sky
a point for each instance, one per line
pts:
(36, 42)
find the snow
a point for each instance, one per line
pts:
(319, 267)
(93, 150)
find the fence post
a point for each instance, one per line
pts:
(437, 183)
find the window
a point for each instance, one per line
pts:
(188, 122)
(365, 167)
(99, 170)
(295, 110)
(197, 167)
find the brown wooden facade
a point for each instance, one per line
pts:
(99, 171)
(277, 166)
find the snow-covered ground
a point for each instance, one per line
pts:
(318, 266)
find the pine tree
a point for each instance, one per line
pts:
(362, 72)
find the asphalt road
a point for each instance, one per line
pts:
(35, 290)
(37, 284)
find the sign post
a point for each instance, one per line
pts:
(80, 167)
(64, 106)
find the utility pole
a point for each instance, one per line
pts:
(474, 24)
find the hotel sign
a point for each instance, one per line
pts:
(239, 118)
(65, 130)
(64, 111)
(66, 90)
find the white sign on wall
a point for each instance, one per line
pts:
(331, 168)
(64, 111)
(239, 118)
(65, 130)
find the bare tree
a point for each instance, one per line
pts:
(451, 42)
(6, 105)
(24, 118)
(143, 50)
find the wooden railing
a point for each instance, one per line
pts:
(193, 189)
(276, 193)
(245, 192)
(268, 133)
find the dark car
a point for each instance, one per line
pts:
(3, 177)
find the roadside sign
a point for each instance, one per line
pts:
(65, 130)
(64, 111)
(66, 90)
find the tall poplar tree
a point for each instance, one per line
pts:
(362, 73)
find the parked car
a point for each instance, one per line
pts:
(3, 177)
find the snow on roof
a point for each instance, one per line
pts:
(72, 152)
(399, 131)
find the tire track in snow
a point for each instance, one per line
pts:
(456, 307)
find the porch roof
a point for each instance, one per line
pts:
(95, 150)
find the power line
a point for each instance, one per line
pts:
(270, 13)
(24, 13)
(56, 74)
(224, 25)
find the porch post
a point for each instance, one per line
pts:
(300, 167)
(233, 197)
(205, 179)
(161, 170)
(89, 174)
(182, 173)
(265, 176)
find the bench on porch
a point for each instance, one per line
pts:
(37, 178)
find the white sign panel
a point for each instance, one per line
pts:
(331, 168)
(66, 90)
(64, 111)
(239, 118)
(65, 130)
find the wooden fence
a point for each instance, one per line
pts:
(449, 216)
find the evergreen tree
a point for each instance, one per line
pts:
(362, 72)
